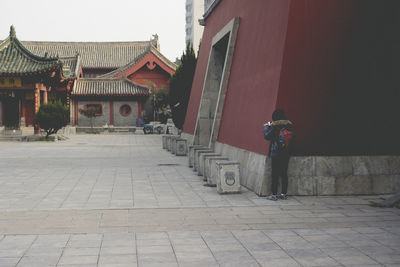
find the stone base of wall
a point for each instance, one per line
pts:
(188, 137)
(318, 175)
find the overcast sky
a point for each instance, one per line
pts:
(97, 20)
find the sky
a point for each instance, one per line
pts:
(97, 20)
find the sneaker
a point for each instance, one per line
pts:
(282, 196)
(272, 197)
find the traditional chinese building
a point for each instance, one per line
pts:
(331, 65)
(27, 80)
(112, 77)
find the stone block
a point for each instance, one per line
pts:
(197, 157)
(371, 165)
(204, 130)
(164, 141)
(250, 179)
(228, 177)
(203, 157)
(181, 147)
(192, 150)
(252, 167)
(305, 185)
(173, 144)
(325, 185)
(210, 169)
(333, 166)
(169, 143)
(188, 137)
(354, 185)
(263, 187)
(396, 183)
(205, 108)
(302, 166)
(292, 186)
(218, 147)
(394, 164)
(383, 184)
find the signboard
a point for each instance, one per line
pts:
(10, 82)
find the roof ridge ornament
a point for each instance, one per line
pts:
(154, 41)
(12, 32)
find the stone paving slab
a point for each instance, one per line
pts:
(120, 200)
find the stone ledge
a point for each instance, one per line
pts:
(318, 175)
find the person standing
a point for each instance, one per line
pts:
(279, 133)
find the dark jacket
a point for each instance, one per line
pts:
(272, 133)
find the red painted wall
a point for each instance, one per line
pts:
(336, 83)
(157, 76)
(329, 64)
(255, 71)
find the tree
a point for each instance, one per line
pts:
(180, 86)
(160, 103)
(52, 116)
(90, 112)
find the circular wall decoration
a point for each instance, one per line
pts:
(125, 110)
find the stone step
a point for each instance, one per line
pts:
(5, 138)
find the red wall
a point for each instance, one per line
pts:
(157, 76)
(255, 72)
(329, 64)
(336, 82)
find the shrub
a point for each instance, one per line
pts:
(52, 116)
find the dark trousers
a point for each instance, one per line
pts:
(279, 169)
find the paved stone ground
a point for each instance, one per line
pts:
(120, 200)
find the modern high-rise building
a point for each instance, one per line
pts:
(194, 31)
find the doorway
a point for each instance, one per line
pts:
(215, 84)
(11, 113)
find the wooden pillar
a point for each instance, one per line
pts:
(37, 106)
(37, 99)
(76, 112)
(111, 112)
(45, 101)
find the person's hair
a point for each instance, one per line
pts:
(278, 115)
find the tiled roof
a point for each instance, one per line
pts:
(17, 60)
(137, 60)
(108, 87)
(93, 54)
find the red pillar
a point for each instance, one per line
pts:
(37, 106)
(76, 112)
(111, 112)
(45, 97)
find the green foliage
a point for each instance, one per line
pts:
(160, 102)
(180, 86)
(90, 112)
(163, 111)
(52, 116)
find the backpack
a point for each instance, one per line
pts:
(284, 139)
